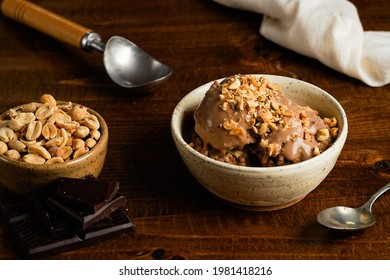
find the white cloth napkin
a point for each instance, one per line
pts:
(327, 30)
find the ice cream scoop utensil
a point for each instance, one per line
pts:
(126, 64)
(350, 219)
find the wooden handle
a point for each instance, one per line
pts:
(44, 21)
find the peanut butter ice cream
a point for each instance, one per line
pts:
(245, 120)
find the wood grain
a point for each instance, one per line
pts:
(175, 217)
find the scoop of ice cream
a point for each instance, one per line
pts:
(251, 117)
(219, 124)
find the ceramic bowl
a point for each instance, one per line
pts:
(261, 188)
(27, 179)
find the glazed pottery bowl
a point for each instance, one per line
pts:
(260, 188)
(28, 179)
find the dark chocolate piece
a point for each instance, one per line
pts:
(53, 223)
(88, 194)
(13, 212)
(42, 214)
(82, 219)
(120, 225)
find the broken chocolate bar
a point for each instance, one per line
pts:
(64, 220)
(88, 194)
(81, 219)
(34, 241)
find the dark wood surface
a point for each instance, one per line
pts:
(175, 217)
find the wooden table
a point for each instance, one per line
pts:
(175, 217)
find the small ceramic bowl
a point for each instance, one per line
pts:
(27, 179)
(260, 188)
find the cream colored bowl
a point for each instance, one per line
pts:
(261, 188)
(27, 179)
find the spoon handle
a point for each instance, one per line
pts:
(370, 202)
(44, 21)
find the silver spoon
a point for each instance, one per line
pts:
(126, 64)
(350, 219)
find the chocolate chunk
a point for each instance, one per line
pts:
(33, 241)
(53, 223)
(82, 219)
(88, 194)
(120, 225)
(13, 212)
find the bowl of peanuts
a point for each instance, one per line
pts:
(259, 142)
(42, 141)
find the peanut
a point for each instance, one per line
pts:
(3, 148)
(322, 135)
(49, 131)
(45, 111)
(48, 99)
(6, 134)
(34, 159)
(34, 130)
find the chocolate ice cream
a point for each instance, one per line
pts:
(245, 120)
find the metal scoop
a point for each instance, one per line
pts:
(350, 219)
(126, 64)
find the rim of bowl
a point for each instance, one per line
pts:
(104, 133)
(180, 109)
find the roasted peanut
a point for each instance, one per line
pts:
(34, 159)
(78, 144)
(90, 143)
(3, 148)
(95, 134)
(229, 124)
(82, 151)
(49, 131)
(55, 160)
(235, 84)
(34, 130)
(30, 107)
(13, 154)
(39, 150)
(66, 124)
(15, 125)
(322, 135)
(78, 112)
(48, 99)
(334, 131)
(54, 142)
(17, 145)
(59, 115)
(25, 118)
(331, 122)
(81, 132)
(91, 122)
(65, 137)
(66, 106)
(66, 152)
(45, 111)
(6, 134)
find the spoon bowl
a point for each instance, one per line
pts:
(350, 219)
(345, 218)
(131, 67)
